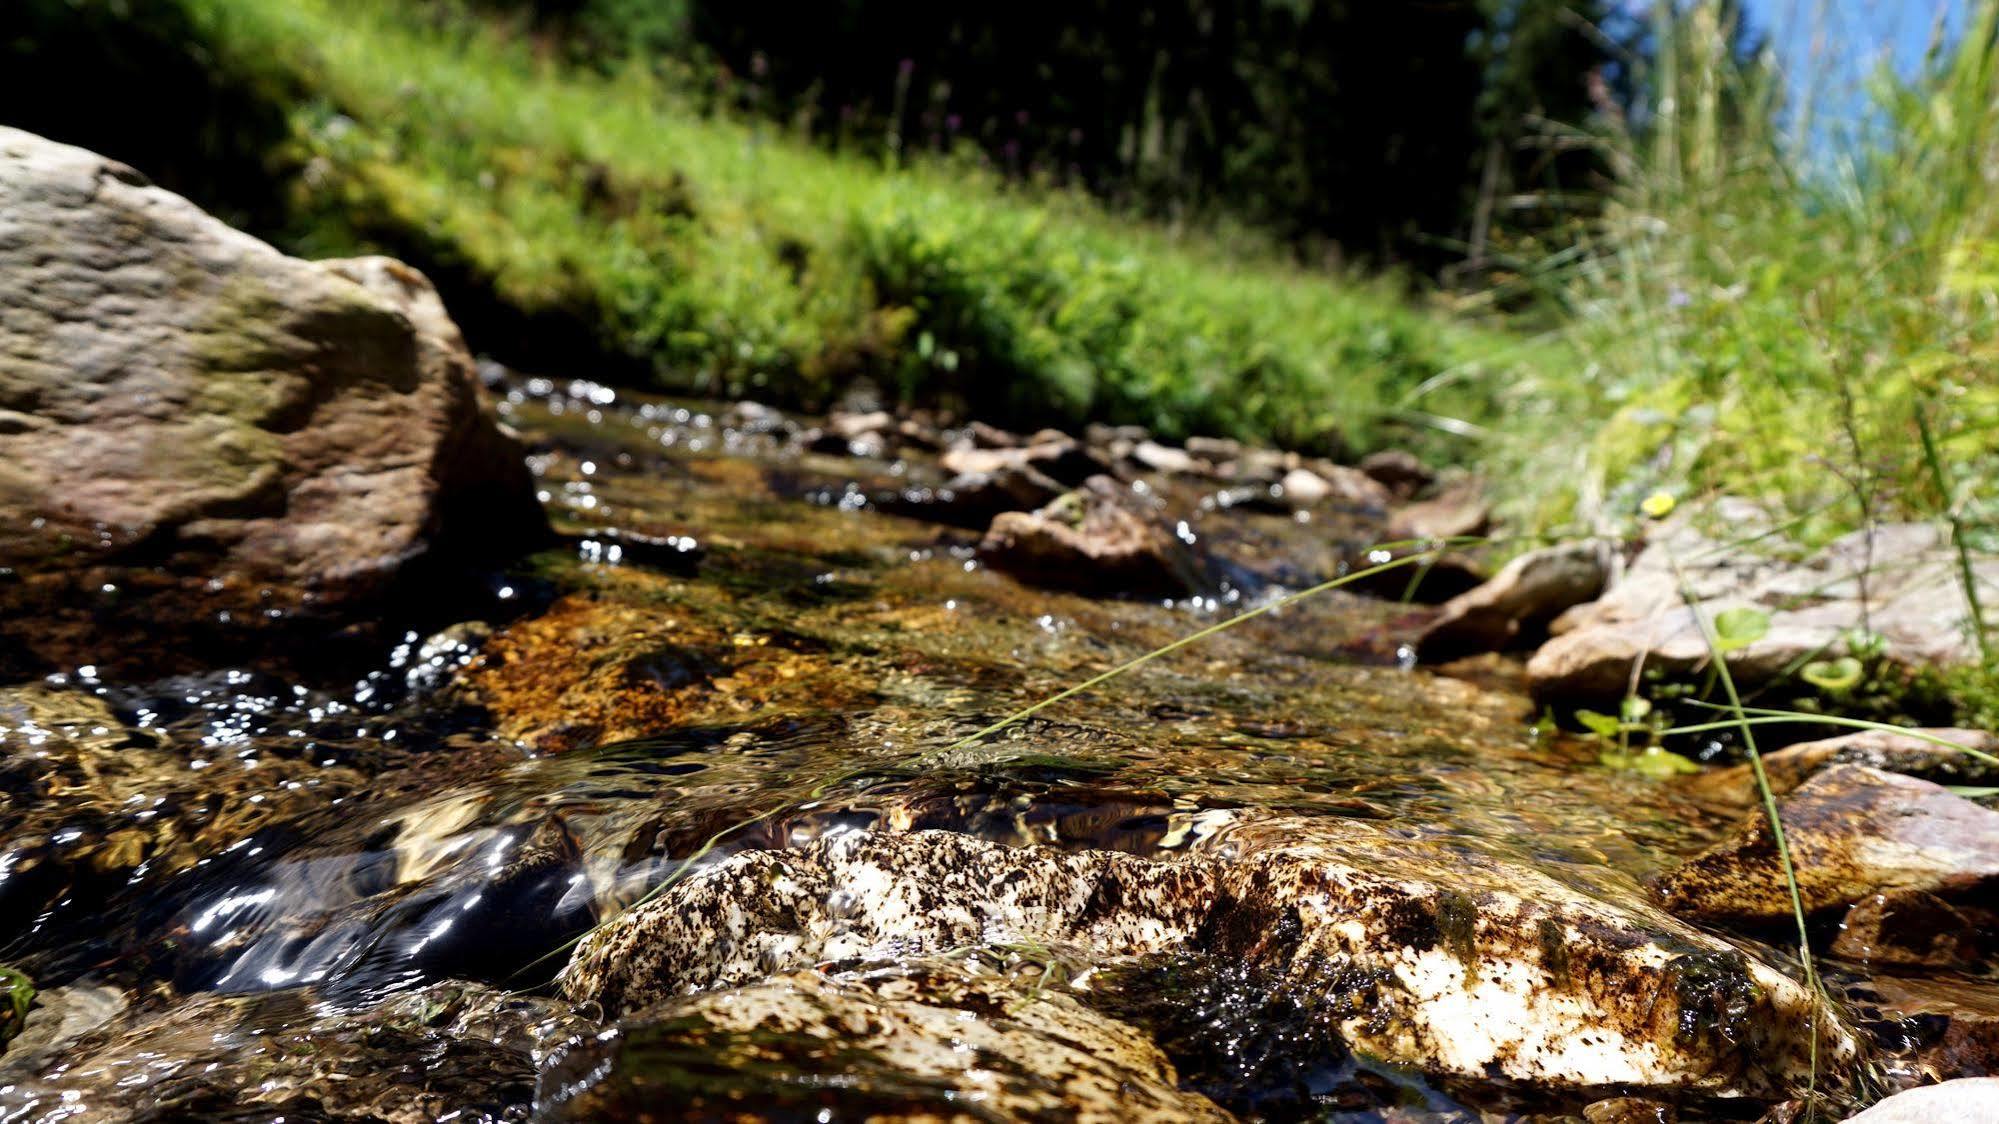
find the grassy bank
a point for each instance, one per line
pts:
(1803, 324)
(728, 258)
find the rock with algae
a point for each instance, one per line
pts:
(925, 1041)
(176, 393)
(1421, 955)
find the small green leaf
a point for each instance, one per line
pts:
(1739, 628)
(1602, 725)
(1832, 675)
(1635, 708)
(1659, 764)
(1969, 790)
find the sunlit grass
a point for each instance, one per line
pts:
(1766, 319)
(735, 259)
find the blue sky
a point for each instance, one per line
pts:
(1830, 47)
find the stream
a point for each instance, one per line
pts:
(329, 891)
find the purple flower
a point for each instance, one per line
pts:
(951, 122)
(1677, 297)
(906, 67)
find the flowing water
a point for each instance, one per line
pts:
(372, 872)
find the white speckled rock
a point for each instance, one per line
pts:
(1424, 955)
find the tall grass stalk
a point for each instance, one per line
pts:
(1718, 654)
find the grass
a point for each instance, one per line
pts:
(728, 257)
(1771, 319)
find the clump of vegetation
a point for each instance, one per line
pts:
(17, 997)
(1771, 318)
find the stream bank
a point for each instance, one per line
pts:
(673, 808)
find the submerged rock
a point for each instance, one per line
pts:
(177, 394)
(1518, 601)
(1853, 831)
(1899, 582)
(924, 1042)
(1098, 538)
(447, 1051)
(1934, 1028)
(85, 801)
(1421, 956)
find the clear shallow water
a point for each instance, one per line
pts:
(734, 646)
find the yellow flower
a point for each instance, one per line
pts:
(1658, 505)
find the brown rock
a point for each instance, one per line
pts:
(1165, 458)
(1518, 602)
(1853, 831)
(1903, 753)
(1938, 1028)
(974, 499)
(1051, 454)
(1398, 470)
(1907, 573)
(1912, 929)
(170, 387)
(983, 436)
(918, 1043)
(1098, 538)
(1325, 482)
(1459, 511)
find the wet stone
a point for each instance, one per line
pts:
(420, 1056)
(1420, 957)
(1853, 831)
(1098, 538)
(1891, 752)
(1518, 602)
(921, 1041)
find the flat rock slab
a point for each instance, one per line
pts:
(1890, 751)
(176, 391)
(922, 1042)
(1422, 955)
(1898, 581)
(1853, 831)
(1967, 1099)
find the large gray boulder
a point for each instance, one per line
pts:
(177, 394)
